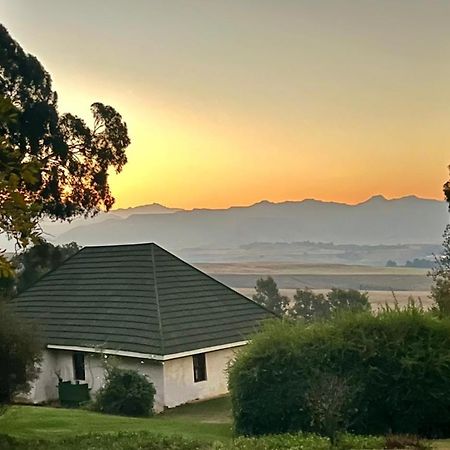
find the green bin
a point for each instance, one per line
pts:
(72, 395)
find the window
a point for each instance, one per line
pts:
(78, 366)
(199, 362)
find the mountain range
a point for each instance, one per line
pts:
(406, 220)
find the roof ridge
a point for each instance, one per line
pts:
(46, 274)
(158, 309)
(214, 279)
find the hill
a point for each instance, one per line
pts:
(407, 220)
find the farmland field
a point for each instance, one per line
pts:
(377, 298)
(379, 282)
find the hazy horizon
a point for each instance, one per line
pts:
(291, 200)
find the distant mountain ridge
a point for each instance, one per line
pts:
(377, 220)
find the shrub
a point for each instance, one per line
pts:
(282, 442)
(327, 401)
(397, 364)
(108, 441)
(406, 441)
(20, 353)
(347, 441)
(126, 392)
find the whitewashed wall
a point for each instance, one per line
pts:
(45, 388)
(179, 385)
(173, 379)
(59, 363)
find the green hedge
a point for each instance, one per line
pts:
(395, 368)
(126, 392)
(107, 441)
(149, 441)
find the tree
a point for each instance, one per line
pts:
(36, 261)
(19, 356)
(268, 295)
(310, 306)
(18, 217)
(440, 289)
(348, 300)
(446, 189)
(420, 262)
(391, 263)
(73, 159)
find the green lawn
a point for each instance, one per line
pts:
(209, 421)
(204, 421)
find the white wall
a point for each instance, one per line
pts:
(173, 379)
(59, 363)
(179, 385)
(95, 374)
(45, 387)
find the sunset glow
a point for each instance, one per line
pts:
(231, 102)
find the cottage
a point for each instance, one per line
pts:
(151, 310)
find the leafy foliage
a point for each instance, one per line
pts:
(268, 295)
(145, 440)
(108, 441)
(440, 290)
(282, 442)
(406, 441)
(310, 306)
(396, 363)
(36, 261)
(346, 441)
(18, 217)
(73, 160)
(126, 392)
(328, 401)
(19, 355)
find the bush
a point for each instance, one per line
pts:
(126, 392)
(397, 365)
(107, 441)
(282, 442)
(406, 441)
(20, 353)
(356, 442)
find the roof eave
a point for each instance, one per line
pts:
(147, 356)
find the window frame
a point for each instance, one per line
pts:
(79, 366)
(199, 367)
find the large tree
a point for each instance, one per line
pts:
(73, 159)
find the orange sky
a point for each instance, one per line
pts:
(232, 102)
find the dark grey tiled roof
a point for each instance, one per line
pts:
(136, 298)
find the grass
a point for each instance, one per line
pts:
(206, 421)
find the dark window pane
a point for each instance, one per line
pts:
(199, 362)
(78, 366)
